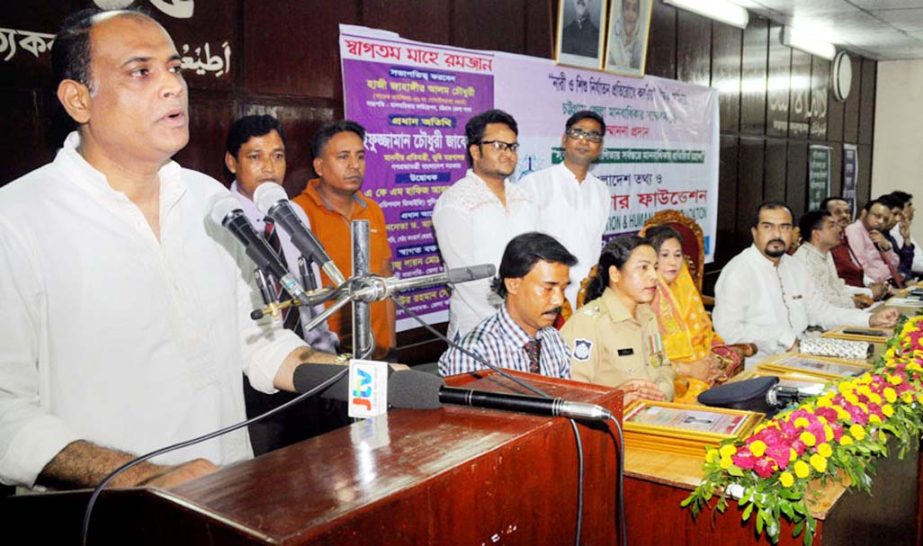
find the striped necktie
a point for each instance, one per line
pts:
(533, 349)
(291, 316)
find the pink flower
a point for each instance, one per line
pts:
(779, 453)
(764, 467)
(744, 459)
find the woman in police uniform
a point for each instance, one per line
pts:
(613, 338)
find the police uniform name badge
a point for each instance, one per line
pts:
(656, 350)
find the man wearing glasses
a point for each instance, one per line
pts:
(573, 205)
(478, 215)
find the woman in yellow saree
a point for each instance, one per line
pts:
(696, 351)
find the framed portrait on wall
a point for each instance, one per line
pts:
(626, 45)
(580, 37)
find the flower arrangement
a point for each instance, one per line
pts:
(837, 434)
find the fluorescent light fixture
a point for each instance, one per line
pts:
(799, 39)
(719, 10)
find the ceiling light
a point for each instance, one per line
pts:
(797, 39)
(719, 10)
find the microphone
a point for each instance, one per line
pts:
(375, 288)
(272, 201)
(224, 210)
(411, 389)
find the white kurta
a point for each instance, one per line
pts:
(472, 228)
(109, 335)
(573, 212)
(757, 302)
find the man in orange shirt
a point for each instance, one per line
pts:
(331, 202)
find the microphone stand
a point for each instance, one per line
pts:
(362, 322)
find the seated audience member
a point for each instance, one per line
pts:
(613, 338)
(534, 272)
(847, 266)
(905, 250)
(478, 215)
(900, 233)
(766, 297)
(692, 346)
(332, 201)
(820, 233)
(573, 205)
(871, 248)
(255, 154)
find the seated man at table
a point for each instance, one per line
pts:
(766, 297)
(821, 233)
(905, 249)
(901, 232)
(871, 248)
(534, 272)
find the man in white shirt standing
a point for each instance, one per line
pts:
(821, 233)
(573, 205)
(478, 215)
(766, 297)
(255, 154)
(125, 318)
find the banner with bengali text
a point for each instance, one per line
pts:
(661, 147)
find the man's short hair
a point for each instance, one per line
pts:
(330, 130)
(825, 204)
(585, 114)
(523, 252)
(867, 207)
(901, 196)
(475, 127)
(813, 220)
(769, 205)
(890, 201)
(70, 53)
(247, 127)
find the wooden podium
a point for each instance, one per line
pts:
(456, 475)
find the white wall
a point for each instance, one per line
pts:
(898, 145)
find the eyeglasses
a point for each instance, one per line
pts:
(501, 146)
(580, 134)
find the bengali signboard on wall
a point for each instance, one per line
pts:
(661, 147)
(818, 175)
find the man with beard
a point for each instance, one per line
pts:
(531, 280)
(901, 232)
(766, 297)
(866, 238)
(478, 215)
(581, 36)
(573, 205)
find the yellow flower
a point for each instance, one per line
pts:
(907, 397)
(857, 432)
(864, 389)
(758, 448)
(801, 422)
(825, 401)
(802, 470)
(842, 414)
(863, 407)
(890, 394)
(874, 419)
(786, 479)
(845, 387)
(825, 450)
(792, 454)
(727, 450)
(711, 456)
(888, 410)
(875, 397)
(920, 398)
(808, 438)
(819, 463)
(914, 367)
(896, 379)
(726, 463)
(846, 440)
(851, 398)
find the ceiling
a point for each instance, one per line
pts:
(885, 30)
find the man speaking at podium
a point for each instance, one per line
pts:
(125, 318)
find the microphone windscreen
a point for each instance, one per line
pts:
(220, 205)
(307, 376)
(746, 395)
(472, 273)
(411, 389)
(267, 195)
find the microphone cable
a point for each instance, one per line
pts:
(500, 371)
(214, 434)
